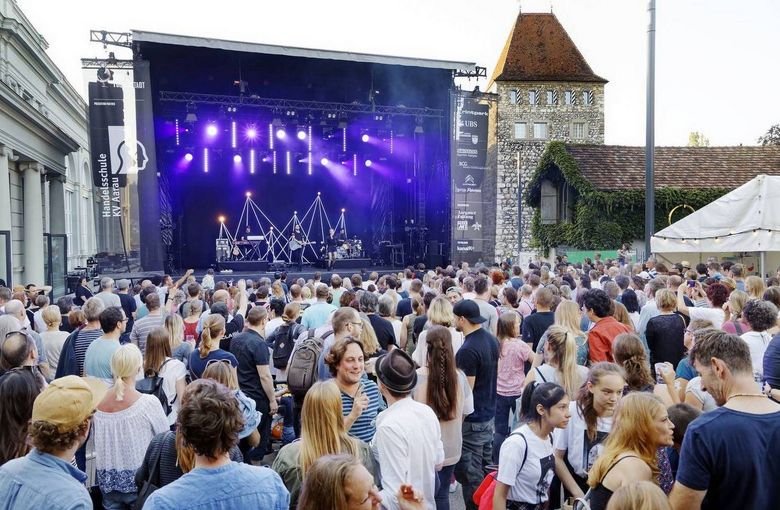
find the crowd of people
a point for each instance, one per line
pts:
(593, 385)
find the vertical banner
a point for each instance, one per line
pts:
(109, 162)
(151, 246)
(469, 160)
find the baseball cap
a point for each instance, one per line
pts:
(469, 310)
(68, 401)
(123, 284)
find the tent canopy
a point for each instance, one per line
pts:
(746, 219)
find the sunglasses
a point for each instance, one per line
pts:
(209, 362)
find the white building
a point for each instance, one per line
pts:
(45, 175)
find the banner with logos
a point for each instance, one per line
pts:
(469, 160)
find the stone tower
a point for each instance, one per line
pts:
(545, 91)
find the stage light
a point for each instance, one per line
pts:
(354, 164)
(281, 134)
(271, 136)
(188, 156)
(251, 161)
(248, 194)
(233, 134)
(237, 158)
(365, 138)
(368, 163)
(343, 210)
(251, 133)
(274, 161)
(288, 163)
(211, 130)
(301, 134)
(344, 139)
(206, 160)
(309, 163)
(176, 124)
(324, 161)
(221, 219)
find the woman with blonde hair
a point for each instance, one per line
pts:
(439, 314)
(560, 366)
(755, 287)
(130, 415)
(370, 342)
(159, 362)
(340, 482)
(620, 313)
(180, 348)
(567, 315)
(213, 331)
(735, 323)
(322, 433)
(639, 496)
(641, 426)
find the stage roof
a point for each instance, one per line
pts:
(291, 51)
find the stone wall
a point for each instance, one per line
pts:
(517, 158)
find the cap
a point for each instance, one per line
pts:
(396, 371)
(68, 401)
(469, 310)
(685, 264)
(123, 284)
(645, 275)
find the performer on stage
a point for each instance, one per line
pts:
(332, 243)
(296, 250)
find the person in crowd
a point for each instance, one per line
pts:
(630, 354)
(567, 315)
(317, 314)
(681, 416)
(209, 422)
(254, 375)
(478, 359)
(620, 313)
(234, 323)
(640, 427)
(322, 433)
(181, 346)
(408, 338)
(513, 354)
(581, 442)
(762, 316)
(345, 322)
(407, 444)
(45, 477)
(129, 306)
(598, 308)
(439, 314)
(370, 342)
(209, 351)
(191, 319)
(650, 309)
(40, 302)
(386, 310)
(734, 322)
(716, 296)
(755, 287)
(482, 298)
(527, 463)
(535, 324)
(382, 327)
(360, 397)
(97, 360)
(665, 332)
(52, 337)
(75, 348)
(76, 320)
(19, 388)
(132, 416)
(152, 320)
(83, 291)
(641, 495)
(717, 471)
(443, 387)
(15, 309)
(629, 299)
(561, 365)
(341, 481)
(159, 361)
(106, 294)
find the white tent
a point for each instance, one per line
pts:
(746, 219)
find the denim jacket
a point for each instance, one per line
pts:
(41, 480)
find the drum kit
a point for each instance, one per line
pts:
(350, 249)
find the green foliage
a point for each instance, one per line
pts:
(603, 219)
(771, 137)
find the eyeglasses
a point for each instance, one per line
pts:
(357, 324)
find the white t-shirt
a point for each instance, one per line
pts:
(694, 387)
(581, 451)
(757, 341)
(528, 482)
(550, 374)
(173, 371)
(715, 315)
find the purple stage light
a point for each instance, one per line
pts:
(206, 160)
(251, 161)
(324, 161)
(237, 158)
(368, 163)
(211, 130)
(365, 138)
(281, 134)
(301, 134)
(251, 133)
(188, 156)
(233, 141)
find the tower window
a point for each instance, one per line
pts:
(514, 97)
(587, 97)
(521, 130)
(571, 97)
(578, 130)
(533, 97)
(540, 130)
(552, 97)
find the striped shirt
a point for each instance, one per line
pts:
(365, 426)
(143, 327)
(84, 338)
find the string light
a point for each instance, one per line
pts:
(718, 237)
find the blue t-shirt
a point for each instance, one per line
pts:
(198, 365)
(478, 358)
(685, 370)
(735, 457)
(364, 427)
(227, 487)
(772, 363)
(97, 361)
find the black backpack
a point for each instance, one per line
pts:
(302, 372)
(283, 343)
(152, 384)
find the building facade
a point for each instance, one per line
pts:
(546, 91)
(46, 204)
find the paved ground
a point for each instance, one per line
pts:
(456, 500)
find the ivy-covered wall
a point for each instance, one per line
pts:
(603, 219)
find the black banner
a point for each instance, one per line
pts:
(106, 138)
(469, 160)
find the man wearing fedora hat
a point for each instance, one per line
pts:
(478, 358)
(45, 478)
(407, 443)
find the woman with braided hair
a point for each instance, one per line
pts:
(444, 389)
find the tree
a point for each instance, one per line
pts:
(772, 137)
(696, 139)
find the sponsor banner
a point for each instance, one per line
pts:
(106, 138)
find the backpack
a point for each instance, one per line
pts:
(283, 346)
(152, 384)
(302, 370)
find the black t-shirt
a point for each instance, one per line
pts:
(383, 329)
(419, 324)
(82, 294)
(129, 306)
(231, 328)
(250, 350)
(535, 325)
(478, 358)
(665, 338)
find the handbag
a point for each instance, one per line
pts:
(483, 496)
(152, 483)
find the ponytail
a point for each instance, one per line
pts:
(564, 347)
(126, 362)
(119, 388)
(442, 388)
(546, 394)
(630, 354)
(213, 329)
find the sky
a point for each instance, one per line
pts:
(717, 63)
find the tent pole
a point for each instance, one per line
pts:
(761, 264)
